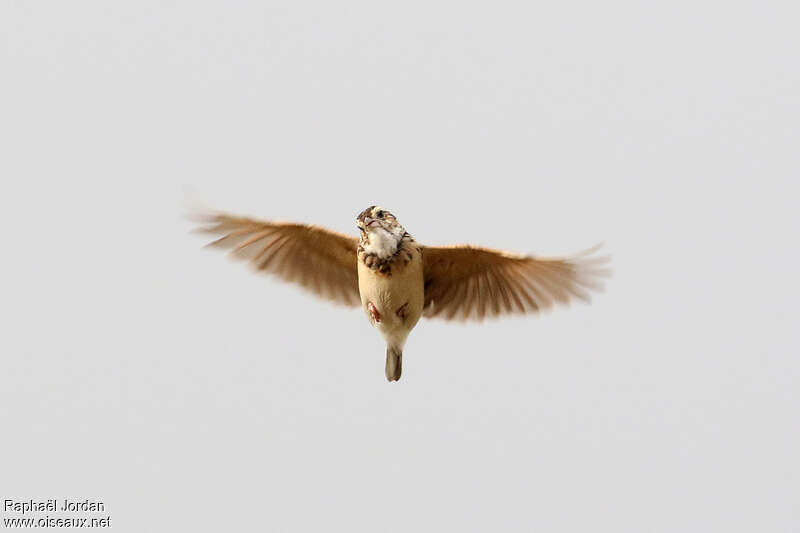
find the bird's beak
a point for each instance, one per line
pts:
(364, 221)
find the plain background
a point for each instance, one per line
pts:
(192, 395)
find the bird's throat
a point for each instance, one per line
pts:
(381, 243)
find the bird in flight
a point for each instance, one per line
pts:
(397, 280)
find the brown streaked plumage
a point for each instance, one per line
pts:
(319, 260)
(467, 282)
(396, 280)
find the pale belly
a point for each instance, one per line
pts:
(397, 299)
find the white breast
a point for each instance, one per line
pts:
(382, 243)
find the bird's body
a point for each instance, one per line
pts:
(397, 280)
(391, 285)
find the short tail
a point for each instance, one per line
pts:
(394, 363)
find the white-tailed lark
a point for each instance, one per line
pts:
(396, 280)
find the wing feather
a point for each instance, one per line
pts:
(322, 261)
(467, 282)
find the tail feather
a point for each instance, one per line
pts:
(394, 363)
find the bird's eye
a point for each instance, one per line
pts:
(380, 214)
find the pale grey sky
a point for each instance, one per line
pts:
(191, 395)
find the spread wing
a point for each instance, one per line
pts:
(466, 282)
(321, 261)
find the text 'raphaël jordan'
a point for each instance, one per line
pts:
(53, 505)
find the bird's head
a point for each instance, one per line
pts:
(381, 233)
